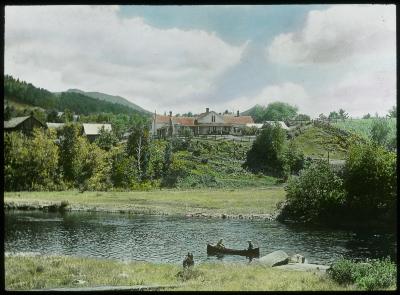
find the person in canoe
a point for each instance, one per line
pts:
(220, 244)
(251, 247)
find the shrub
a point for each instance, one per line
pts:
(370, 175)
(316, 194)
(266, 153)
(379, 274)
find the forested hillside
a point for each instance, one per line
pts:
(110, 98)
(26, 93)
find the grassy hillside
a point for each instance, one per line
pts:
(362, 127)
(217, 164)
(110, 98)
(315, 142)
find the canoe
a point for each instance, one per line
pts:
(213, 250)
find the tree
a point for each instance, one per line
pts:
(333, 116)
(392, 113)
(137, 147)
(322, 117)
(302, 117)
(67, 116)
(317, 194)
(294, 158)
(31, 162)
(52, 116)
(280, 111)
(342, 114)
(106, 139)
(267, 152)
(370, 179)
(367, 116)
(379, 131)
(69, 151)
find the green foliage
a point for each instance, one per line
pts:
(294, 158)
(370, 176)
(30, 163)
(138, 148)
(78, 103)
(106, 139)
(249, 130)
(267, 152)
(374, 275)
(316, 194)
(302, 117)
(123, 172)
(367, 116)
(275, 111)
(392, 113)
(362, 127)
(379, 131)
(178, 168)
(69, 151)
(280, 111)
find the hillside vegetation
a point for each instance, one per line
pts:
(362, 127)
(109, 98)
(27, 94)
(316, 141)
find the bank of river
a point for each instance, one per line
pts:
(47, 272)
(244, 204)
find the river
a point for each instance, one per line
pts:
(164, 239)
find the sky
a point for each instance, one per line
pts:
(319, 58)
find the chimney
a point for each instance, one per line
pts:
(237, 114)
(207, 110)
(170, 113)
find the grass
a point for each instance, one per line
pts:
(315, 142)
(39, 272)
(223, 201)
(362, 127)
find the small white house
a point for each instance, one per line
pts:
(91, 131)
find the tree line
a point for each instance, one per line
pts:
(26, 93)
(65, 159)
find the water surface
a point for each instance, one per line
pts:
(168, 239)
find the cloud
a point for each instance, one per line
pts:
(288, 92)
(91, 48)
(337, 34)
(347, 57)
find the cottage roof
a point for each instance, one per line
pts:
(185, 121)
(14, 122)
(242, 120)
(94, 129)
(55, 125)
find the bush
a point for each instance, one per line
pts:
(316, 194)
(370, 175)
(379, 274)
(267, 152)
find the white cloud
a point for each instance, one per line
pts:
(337, 34)
(288, 92)
(355, 42)
(91, 48)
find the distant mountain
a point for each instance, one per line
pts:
(110, 98)
(27, 95)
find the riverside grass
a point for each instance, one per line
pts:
(45, 272)
(167, 202)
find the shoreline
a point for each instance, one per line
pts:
(60, 271)
(229, 204)
(55, 207)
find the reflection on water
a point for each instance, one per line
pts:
(168, 239)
